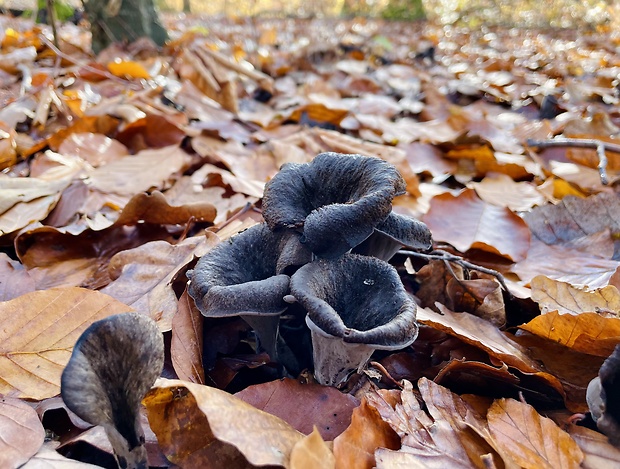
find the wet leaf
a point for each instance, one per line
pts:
(37, 333)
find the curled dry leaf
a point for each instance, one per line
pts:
(200, 426)
(306, 407)
(356, 446)
(552, 295)
(467, 222)
(533, 441)
(588, 333)
(21, 433)
(37, 333)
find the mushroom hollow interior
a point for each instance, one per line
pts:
(241, 275)
(357, 298)
(336, 200)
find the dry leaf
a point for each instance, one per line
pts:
(200, 426)
(312, 452)
(467, 222)
(21, 432)
(128, 69)
(501, 190)
(565, 298)
(598, 452)
(48, 458)
(533, 441)
(588, 333)
(15, 279)
(37, 333)
(96, 149)
(187, 339)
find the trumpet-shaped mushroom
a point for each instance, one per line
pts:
(336, 200)
(602, 397)
(113, 365)
(244, 277)
(355, 304)
(396, 232)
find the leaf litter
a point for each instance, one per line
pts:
(118, 175)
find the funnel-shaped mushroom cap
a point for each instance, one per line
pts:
(354, 300)
(602, 397)
(336, 200)
(396, 232)
(113, 365)
(243, 277)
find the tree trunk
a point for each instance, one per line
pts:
(123, 21)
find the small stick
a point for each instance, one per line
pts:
(51, 17)
(600, 146)
(447, 257)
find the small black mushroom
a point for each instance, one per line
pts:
(603, 397)
(113, 365)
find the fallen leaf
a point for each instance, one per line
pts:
(598, 452)
(533, 441)
(187, 340)
(312, 452)
(21, 432)
(466, 222)
(48, 458)
(552, 295)
(96, 149)
(588, 333)
(503, 191)
(306, 407)
(356, 446)
(200, 426)
(37, 333)
(128, 69)
(151, 132)
(15, 279)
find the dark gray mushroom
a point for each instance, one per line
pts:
(355, 304)
(243, 276)
(113, 365)
(336, 200)
(396, 232)
(602, 397)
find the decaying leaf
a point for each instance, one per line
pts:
(21, 432)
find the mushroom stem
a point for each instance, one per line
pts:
(266, 330)
(334, 359)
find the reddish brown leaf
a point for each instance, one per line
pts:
(186, 345)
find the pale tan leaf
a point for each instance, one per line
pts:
(21, 433)
(37, 334)
(552, 295)
(48, 458)
(15, 279)
(201, 426)
(598, 452)
(501, 190)
(312, 452)
(138, 173)
(533, 441)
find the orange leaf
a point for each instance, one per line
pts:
(128, 69)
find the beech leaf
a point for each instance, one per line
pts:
(21, 432)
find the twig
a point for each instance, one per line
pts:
(447, 257)
(599, 145)
(51, 17)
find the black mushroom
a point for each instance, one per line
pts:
(355, 305)
(603, 397)
(113, 365)
(335, 201)
(244, 276)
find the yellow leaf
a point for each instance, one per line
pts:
(128, 69)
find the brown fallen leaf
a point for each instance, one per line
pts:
(21, 433)
(588, 333)
(503, 191)
(533, 441)
(467, 222)
(37, 333)
(15, 279)
(142, 277)
(200, 426)
(96, 149)
(150, 132)
(47, 457)
(312, 452)
(187, 339)
(306, 407)
(355, 447)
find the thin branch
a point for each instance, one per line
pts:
(51, 17)
(599, 145)
(447, 257)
